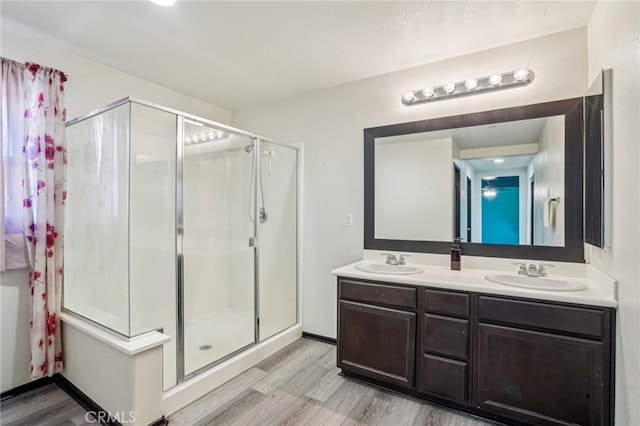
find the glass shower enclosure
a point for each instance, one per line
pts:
(178, 223)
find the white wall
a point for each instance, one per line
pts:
(548, 169)
(613, 40)
(330, 122)
(404, 170)
(90, 86)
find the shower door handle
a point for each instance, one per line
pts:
(252, 242)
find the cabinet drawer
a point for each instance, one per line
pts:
(389, 295)
(562, 319)
(446, 336)
(444, 377)
(446, 302)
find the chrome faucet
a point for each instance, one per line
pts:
(391, 259)
(401, 259)
(533, 270)
(523, 268)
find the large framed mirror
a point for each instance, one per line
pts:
(508, 181)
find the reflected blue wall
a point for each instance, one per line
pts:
(500, 214)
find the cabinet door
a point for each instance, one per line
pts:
(540, 378)
(377, 342)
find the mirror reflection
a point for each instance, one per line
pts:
(499, 183)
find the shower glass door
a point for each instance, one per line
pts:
(218, 259)
(277, 232)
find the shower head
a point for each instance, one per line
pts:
(249, 147)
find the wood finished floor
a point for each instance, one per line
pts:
(45, 406)
(298, 385)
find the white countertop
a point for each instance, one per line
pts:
(601, 289)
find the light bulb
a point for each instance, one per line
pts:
(471, 84)
(408, 97)
(498, 160)
(164, 2)
(495, 79)
(428, 92)
(489, 192)
(449, 88)
(521, 75)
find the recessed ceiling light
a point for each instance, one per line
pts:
(164, 2)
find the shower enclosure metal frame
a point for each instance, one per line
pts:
(254, 241)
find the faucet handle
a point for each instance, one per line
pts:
(401, 259)
(523, 268)
(391, 258)
(542, 269)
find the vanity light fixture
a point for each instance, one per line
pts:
(517, 78)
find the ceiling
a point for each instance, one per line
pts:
(240, 54)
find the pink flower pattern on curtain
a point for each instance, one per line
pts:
(44, 193)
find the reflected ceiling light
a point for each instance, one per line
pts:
(210, 136)
(521, 77)
(489, 192)
(498, 160)
(165, 3)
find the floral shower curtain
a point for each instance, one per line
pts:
(44, 183)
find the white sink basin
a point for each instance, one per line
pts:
(383, 268)
(536, 283)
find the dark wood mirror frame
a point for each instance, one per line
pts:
(573, 250)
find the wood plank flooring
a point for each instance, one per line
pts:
(299, 385)
(45, 406)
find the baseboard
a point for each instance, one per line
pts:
(87, 403)
(160, 422)
(27, 387)
(320, 338)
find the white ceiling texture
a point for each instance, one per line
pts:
(239, 54)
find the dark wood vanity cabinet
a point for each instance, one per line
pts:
(377, 331)
(513, 360)
(544, 363)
